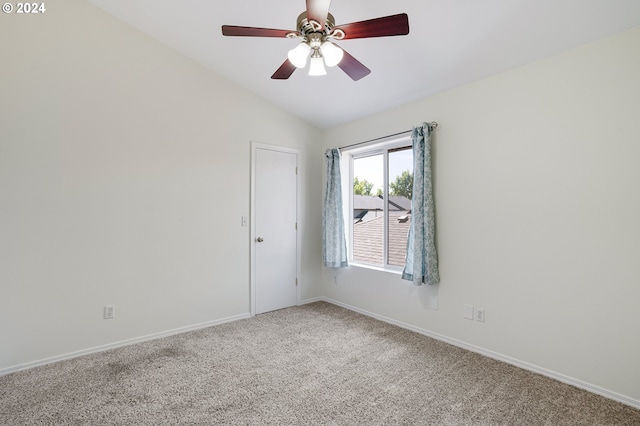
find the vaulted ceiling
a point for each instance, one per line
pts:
(451, 43)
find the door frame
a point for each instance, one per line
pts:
(252, 233)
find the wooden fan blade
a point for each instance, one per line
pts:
(352, 67)
(284, 72)
(232, 30)
(379, 27)
(318, 10)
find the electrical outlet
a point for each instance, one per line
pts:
(480, 314)
(335, 280)
(109, 311)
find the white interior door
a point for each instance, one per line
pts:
(275, 233)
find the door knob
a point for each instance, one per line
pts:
(259, 239)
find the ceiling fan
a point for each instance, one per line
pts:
(316, 28)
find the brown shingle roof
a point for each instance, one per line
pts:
(368, 236)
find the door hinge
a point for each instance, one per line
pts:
(296, 226)
(296, 282)
(296, 170)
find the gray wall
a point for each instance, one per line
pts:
(538, 216)
(124, 173)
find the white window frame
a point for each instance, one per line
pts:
(349, 155)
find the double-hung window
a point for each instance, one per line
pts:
(380, 192)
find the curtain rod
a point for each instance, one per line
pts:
(433, 124)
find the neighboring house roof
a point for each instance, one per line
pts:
(400, 202)
(367, 202)
(368, 237)
(373, 202)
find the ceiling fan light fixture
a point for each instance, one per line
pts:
(332, 54)
(315, 27)
(316, 66)
(298, 55)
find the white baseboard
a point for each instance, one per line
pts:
(312, 300)
(495, 355)
(114, 345)
(491, 354)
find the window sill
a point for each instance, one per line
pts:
(376, 268)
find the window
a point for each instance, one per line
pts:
(381, 182)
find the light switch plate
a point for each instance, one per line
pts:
(468, 312)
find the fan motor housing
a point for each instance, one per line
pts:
(307, 26)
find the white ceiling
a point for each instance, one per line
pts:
(451, 42)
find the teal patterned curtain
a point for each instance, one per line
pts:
(334, 243)
(421, 265)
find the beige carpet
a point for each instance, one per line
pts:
(314, 364)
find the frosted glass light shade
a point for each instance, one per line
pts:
(316, 66)
(298, 55)
(332, 54)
